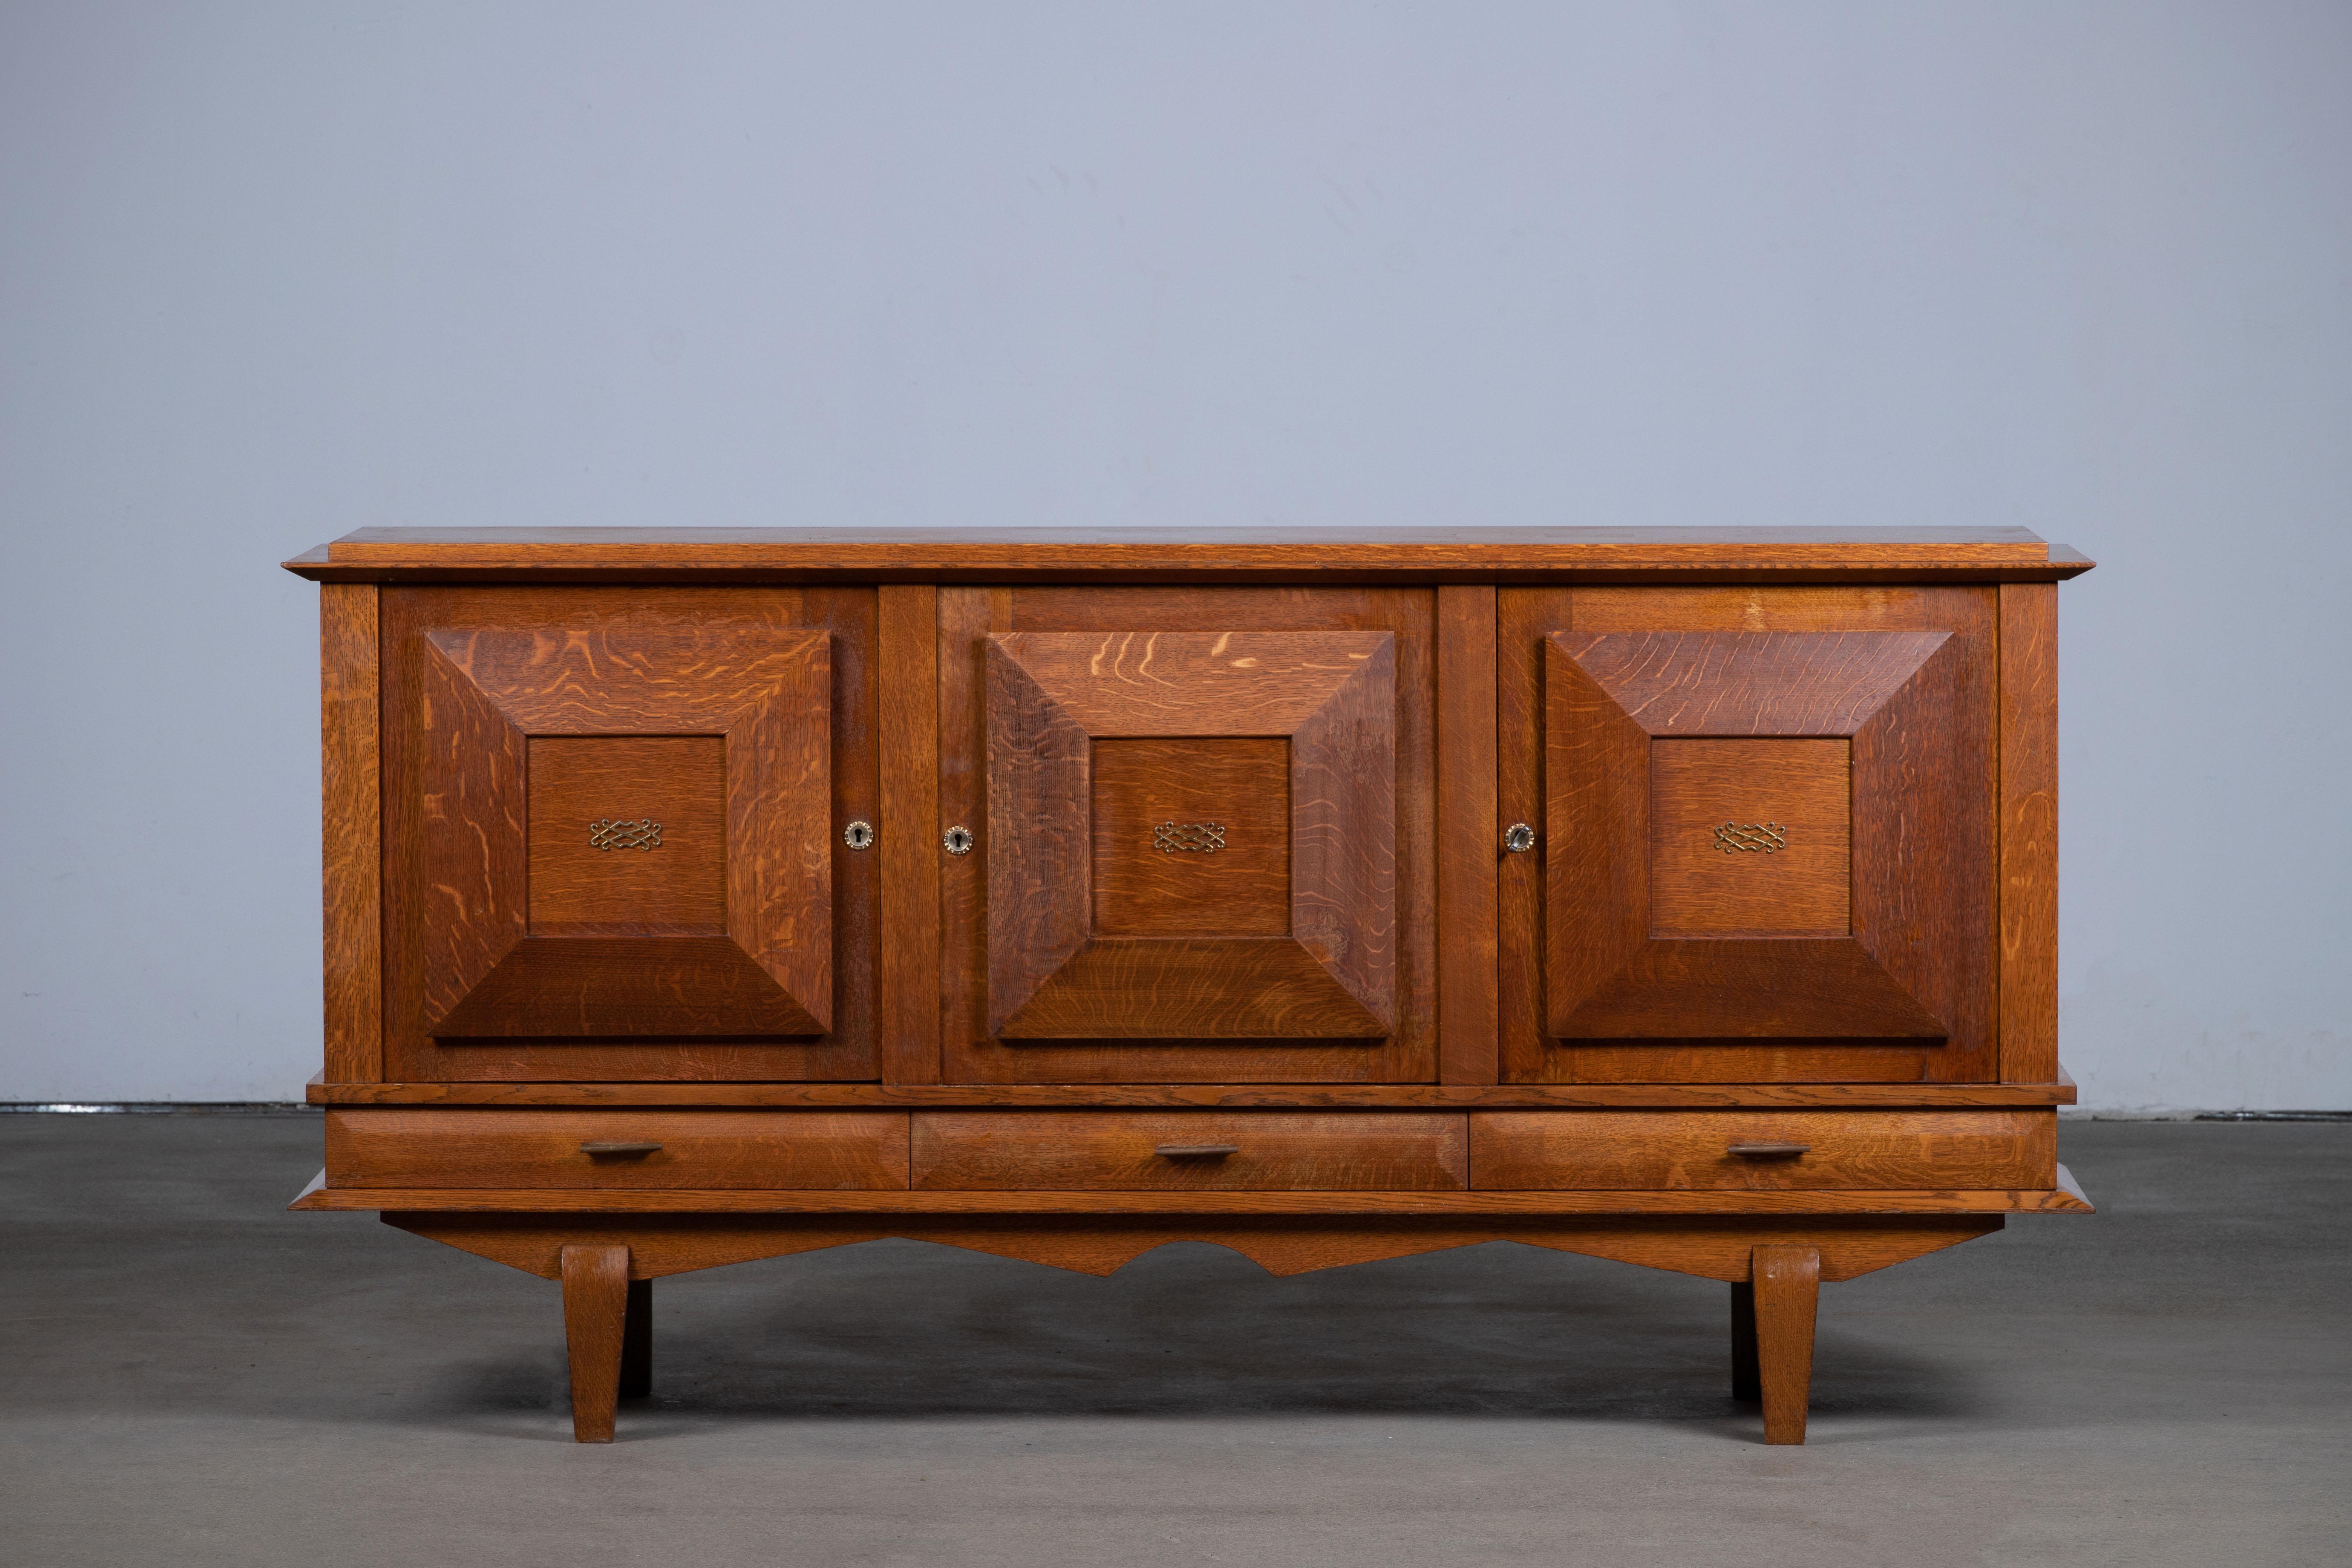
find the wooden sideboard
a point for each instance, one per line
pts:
(1682, 896)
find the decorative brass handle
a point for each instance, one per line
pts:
(1196, 1151)
(1770, 1151)
(592, 1150)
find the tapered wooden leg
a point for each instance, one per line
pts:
(1787, 1282)
(595, 1320)
(637, 1342)
(1743, 1342)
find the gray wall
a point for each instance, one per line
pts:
(272, 271)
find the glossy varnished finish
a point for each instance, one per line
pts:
(1121, 1152)
(1238, 953)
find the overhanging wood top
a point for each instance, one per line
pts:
(1519, 554)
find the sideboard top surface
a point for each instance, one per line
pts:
(1532, 555)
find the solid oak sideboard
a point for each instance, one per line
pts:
(1682, 896)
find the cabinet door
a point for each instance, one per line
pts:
(1766, 834)
(614, 832)
(1201, 835)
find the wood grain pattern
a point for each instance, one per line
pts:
(1115, 1152)
(677, 888)
(1451, 553)
(1798, 886)
(1787, 1282)
(1625, 1006)
(1674, 682)
(1206, 1096)
(974, 1053)
(595, 1320)
(1053, 696)
(1240, 889)
(907, 955)
(1191, 990)
(1709, 1248)
(352, 823)
(587, 633)
(1688, 1150)
(2029, 833)
(767, 694)
(1469, 836)
(1525, 619)
(701, 1149)
(484, 1200)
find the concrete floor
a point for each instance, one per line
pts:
(192, 1376)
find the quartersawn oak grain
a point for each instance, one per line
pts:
(1469, 840)
(2028, 832)
(713, 1150)
(1053, 697)
(1689, 1150)
(1115, 1152)
(908, 953)
(589, 685)
(353, 824)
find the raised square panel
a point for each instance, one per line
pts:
(1191, 837)
(1750, 837)
(628, 835)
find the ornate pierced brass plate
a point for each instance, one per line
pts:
(1753, 838)
(613, 833)
(1189, 838)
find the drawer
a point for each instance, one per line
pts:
(1190, 1151)
(1786, 1149)
(821, 1149)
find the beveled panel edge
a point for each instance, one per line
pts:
(1210, 1096)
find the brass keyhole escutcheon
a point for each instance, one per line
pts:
(1519, 838)
(858, 835)
(957, 840)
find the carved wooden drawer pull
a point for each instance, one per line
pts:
(592, 1150)
(1770, 1151)
(1196, 1151)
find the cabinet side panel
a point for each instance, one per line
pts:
(353, 857)
(908, 947)
(1467, 838)
(2029, 833)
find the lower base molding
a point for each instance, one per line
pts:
(606, 1253)
(1711, 1247)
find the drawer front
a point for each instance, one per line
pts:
(1190, 1151)
(1583, 1151)
(809, 1150)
